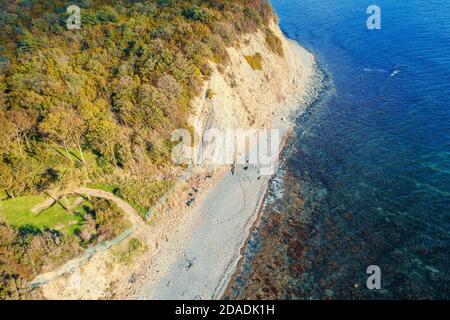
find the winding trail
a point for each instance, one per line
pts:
(132, 215)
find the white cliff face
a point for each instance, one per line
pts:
(246, 98)
(240, 98)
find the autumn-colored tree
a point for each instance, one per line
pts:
(23, 122)
(64, 125)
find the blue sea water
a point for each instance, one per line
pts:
(370, 161)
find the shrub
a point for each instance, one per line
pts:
(28, 43)
(196, 13)
(110, 220)
(255, 61)
(210, 94)
(127, 254)
(164, 3)
(274, 43)
(99, 17)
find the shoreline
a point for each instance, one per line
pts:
(261, 202)
(234, 270)
(210, 257)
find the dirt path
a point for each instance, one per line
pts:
(132, 215)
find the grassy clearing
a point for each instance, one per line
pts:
(17, 212)
(255, 61)
(66, 216)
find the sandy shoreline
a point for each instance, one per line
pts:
(221, 222)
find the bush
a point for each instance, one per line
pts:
(274, 43)
(109, 219)
(28, 43)
(210, 94)
(164, 3)
(127, 254)
(99, 17)
(255, 61)
(196, 13)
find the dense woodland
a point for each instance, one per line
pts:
(96, 106)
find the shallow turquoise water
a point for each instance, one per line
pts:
(371, 160)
